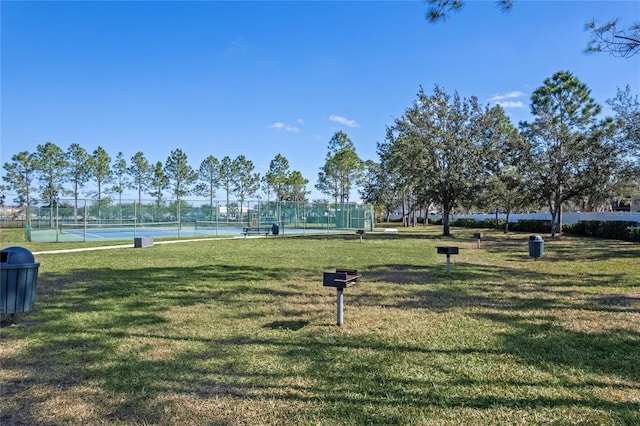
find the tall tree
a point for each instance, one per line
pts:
(246, 182)
(607, 171)
(562, 150)
(78, 160)
(227, 177)
(434, 142)
(607, 37)
(140, 172)
(377, 189)
(277, 176)
(439, 10)
(51, 165)
(119, 172)
(327, 184)
(610, 38)
(342, 170)
(297, 185)
(180, 175)
(100, 169)
(19, 175)
(503, 150)
(209, 175)
(627, 114)
(159, 183)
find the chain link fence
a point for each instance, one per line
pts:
(187, 217)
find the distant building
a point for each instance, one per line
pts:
(9, 213)
(635, 204)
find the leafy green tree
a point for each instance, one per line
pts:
(377, 190)
(278, 175)
(119, 172)
(627, 120)
(179, 174)
(141, 172)
(297, 187)
(227, 177)
(607, 171)
(562, 149)
(503, 151)
(327, 184)
(246, 182)
(19, 175)
(78, 160)
(627, 115)
(51, 165)
(433, 147)
(100, 169)
(159, 183)
(265, 187)
(403, 184)
(209, 175)
(342, 170)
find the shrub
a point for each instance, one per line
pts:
(616, 230)
(529, 225)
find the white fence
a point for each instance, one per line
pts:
(566, 217)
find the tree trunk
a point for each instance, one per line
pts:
(445, 221)
(506, 224)
(559, 224)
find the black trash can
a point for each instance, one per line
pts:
(275, 229)
(18, 277)
(536, 246)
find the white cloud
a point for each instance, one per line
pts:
(238, 45)
(511, 104)
(284, 126)
(343, 120)
(509, 95)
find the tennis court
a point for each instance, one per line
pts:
(115, 232)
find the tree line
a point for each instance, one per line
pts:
(444, 152)
(51, 173)
(451, 152)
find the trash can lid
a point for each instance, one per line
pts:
(535, 237)
(16, 255)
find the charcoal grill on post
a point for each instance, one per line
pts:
(340, 279)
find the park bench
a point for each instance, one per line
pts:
(256, 230)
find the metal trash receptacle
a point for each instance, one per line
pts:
(536, 246)
(18, 278)
(275, 229)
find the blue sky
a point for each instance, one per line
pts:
(275, 77)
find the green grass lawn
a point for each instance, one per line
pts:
(241, 331)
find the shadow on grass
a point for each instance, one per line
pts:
(540, 342)
(337, 377)
(563, 249)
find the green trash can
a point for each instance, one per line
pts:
(18, 277)
(536, 246)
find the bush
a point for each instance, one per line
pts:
(616, 230)
(529, 225)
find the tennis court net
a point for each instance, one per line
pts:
(117, 227)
